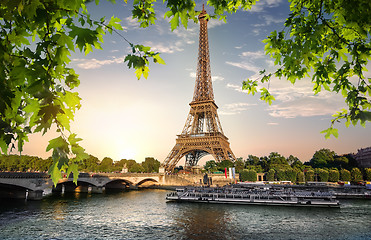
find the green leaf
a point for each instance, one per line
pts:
(330, 131)
(114, 23)
(58, 142)
(55, 173)
(158, 59)
(174, 21)
(74, 169)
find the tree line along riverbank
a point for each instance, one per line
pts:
(324, 166)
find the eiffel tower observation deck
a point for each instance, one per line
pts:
(202, 133)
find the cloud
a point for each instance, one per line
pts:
(304, 107)
(299, 100)
(253, 55)
(235, 87)
(272, 124)
(131, 23)
(235, 108)
(214, 23)
(95, 63)
(217, 78)
(262, 4)
(166, 48)
(245, 65)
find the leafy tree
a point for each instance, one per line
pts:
(297, 164)
(43, 165)
(341, 162)
(35, 80)
(150, 165)
(323, 175)
(309, 175)
(224, 164)
(271, 175)
(301, 177)
(345, 175)
(291, 175)
(322, 158)
(106, 165)
(89, 164)
(211, 166)
(252, 160)
(291, 159)
(334, 175)
(367, 174)
(277, 161)
(177, 169)
(248, 175)
(281, 175)
(135, 168)
(130, 163)
(239, 165)
(356, 175)
(328, 40)
(256, 168)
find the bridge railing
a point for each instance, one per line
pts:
(24, 175)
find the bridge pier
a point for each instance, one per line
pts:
(69, 188)
(57, 189)
(34, 195)
(94, 189)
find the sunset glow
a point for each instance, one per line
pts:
(122, 117)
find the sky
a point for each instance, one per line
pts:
(125, 118)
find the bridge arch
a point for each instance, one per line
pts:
(147, 182)
(118, 184)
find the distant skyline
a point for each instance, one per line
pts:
(122, 117)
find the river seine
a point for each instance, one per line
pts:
(144, 214)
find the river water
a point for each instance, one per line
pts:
(144, 214)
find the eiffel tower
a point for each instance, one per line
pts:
(202, 133)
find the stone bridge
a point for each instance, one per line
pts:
(34, 186)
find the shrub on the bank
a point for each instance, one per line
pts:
(309, 176)
(356, 175)
(333, 175)
(344, 175)
(323, 175)
(248, 175)
(368, 174)
(270, 175)
(301, 177)
(291, 175)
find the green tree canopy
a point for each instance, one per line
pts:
(345, 175)
(356, 175)
(271, 175)
(248, 175)
(322, 158)
(211, 166)
(150, 165)
(327, 42)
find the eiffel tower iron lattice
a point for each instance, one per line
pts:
(202, 133)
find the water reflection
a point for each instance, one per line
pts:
(202, 221)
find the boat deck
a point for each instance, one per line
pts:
(254, 196)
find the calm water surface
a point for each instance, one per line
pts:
(144, 214)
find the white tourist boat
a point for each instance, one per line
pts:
(254, 196)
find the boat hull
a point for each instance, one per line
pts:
(251, 197)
